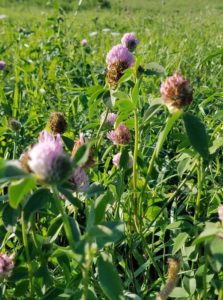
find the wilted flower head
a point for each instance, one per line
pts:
(84, 42)
(6, 264)
(116, 160)
(57, 123)
(82, 141)
(110, 119)
(24, 160)
(120, 136)
(2, 65)
(130, 41)
(80, 180)
(220, 212)
(118, 60)
(47, 159)
(176, 92)
(14, 124)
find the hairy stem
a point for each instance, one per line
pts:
(26, 246)
(65, 218)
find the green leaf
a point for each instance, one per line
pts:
(179, 292)
(69, 196)
(9, 171)
(9, 217)
(37, 201)
(155, 69)
(163, 135)
(189, 282)
(19, 189)
(109, 279)
(153, 212)
(69, 143)
(22, 288)
(216, 145)
(75, 229)
(124, 159)
(211, 230)
(100, 206)
(180, 241)
(150, 113)
(106, 98)
(197, 134)
(107, 232)
(135, 94)
(81, 156)
(125, 105)
(95, 189)
(126, 76)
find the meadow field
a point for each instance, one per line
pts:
(111, 175)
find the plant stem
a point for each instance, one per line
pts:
(101, 125)
(135, 151)
(204, 276)
(65, 218)
(161, 139)
(14, 146)
(26, 246)
(134, 175)
(199, 189)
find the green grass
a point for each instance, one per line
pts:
(48, 70)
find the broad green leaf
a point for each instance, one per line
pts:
(163, 135)
(150, 113)
(69, 143)
(216, 145)
(153, 212)
(179, 292)
(126, 76)
(197, 134)
(107, 232)
(69, 196)
(125, 105)
(100, 206)
(180, 241)
(189, 282)
(9, 217)
(124, 159)
(22, 288)
(211, 230)
(155, 69)
(37, 201)
(9, 171)
(109, 279)
(75, 229)
(19, 189)
(81, 156)
(106, 98)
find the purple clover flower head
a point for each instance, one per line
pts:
(6, 264)
(47, 160)
(110, 120)
(176, 92)
(46, 137)
(116, 160)
(130, 41)
(119, 54)
(80, 180)
(120, 136)
(2, 65)
(220, 212)
(84, 42)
